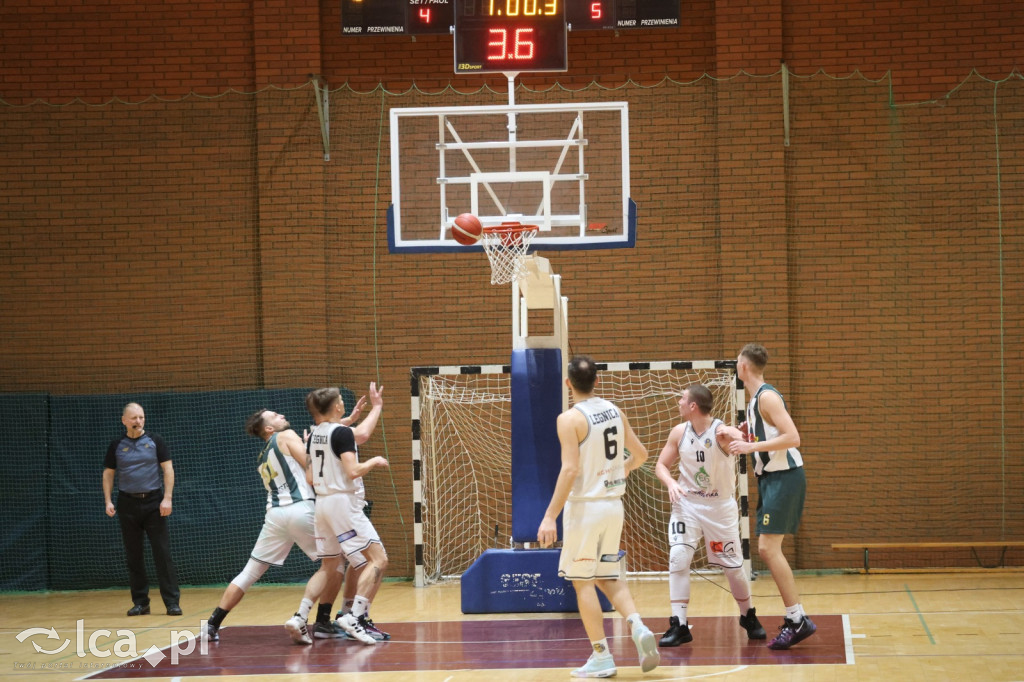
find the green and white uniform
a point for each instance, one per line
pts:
(289, 518)
(781, 483)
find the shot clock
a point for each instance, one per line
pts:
(510, 36)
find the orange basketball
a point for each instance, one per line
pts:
(467, 229)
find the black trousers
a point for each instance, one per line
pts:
(139, 518)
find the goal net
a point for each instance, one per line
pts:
(462, 459)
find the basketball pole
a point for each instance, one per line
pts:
(511, 76)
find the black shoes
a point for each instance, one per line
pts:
(677, 634)
(210, 633)
(139, 610)
(790, 633)
(173, 610)
(752, 625)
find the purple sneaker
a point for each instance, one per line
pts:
(373, 630)
(790, 633)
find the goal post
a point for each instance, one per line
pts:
(461, 449)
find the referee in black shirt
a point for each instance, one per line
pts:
(142, 461)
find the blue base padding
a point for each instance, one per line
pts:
(519, 581)
(536, 392)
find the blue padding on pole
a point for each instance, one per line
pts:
(536, 393)
(519, 581)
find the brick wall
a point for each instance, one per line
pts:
(204, 243)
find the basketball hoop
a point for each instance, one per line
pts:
(506, 246)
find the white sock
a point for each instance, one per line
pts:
(795, 613)
(305, 606)
(601, 648)
(633, 621)
(679, 611)
(360, 606)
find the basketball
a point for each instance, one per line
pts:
(467, 229)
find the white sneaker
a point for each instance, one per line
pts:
(597, 666)
(296, 627)
(646, 647)
(350, 624)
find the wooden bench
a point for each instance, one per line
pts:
(868, 546)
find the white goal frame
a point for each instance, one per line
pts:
(417, 373)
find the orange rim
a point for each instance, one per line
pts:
(510, 228)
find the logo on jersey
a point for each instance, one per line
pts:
(707, 443)
(703, 479)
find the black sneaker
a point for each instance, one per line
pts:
(677, 634)
(790, 633)
(139, 610)
(328, 630)
(752, 625)
(173, 610)
(210, 633)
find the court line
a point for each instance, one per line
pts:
(920, 615)
(848, 639)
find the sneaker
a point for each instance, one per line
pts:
(677, 634)
(752, 625)
(790, 633)
(373, 630)
(328, 630)
(597, 666)
(646, 647)
(139, 610)
(210, 633)
(296, 627)
(350, 624)
(173, 610)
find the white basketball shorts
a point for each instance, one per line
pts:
(591, 531)
(283, 527)
(343, 528)
(717, 520)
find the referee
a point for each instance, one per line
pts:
(142, 462)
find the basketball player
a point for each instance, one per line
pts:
(772, 440)
(341, 522)
(595, 437)
(289, 520)
(702, 506)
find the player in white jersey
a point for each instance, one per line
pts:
(703, 506)
(772, 439)
(342, 526)
(289, 521)
(599, 450)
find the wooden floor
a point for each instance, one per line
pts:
(905, 626)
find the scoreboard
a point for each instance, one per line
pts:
(417, 17)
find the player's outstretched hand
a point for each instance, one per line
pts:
(376, 395)
(353, 416)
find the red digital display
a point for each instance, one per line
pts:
(510, 36)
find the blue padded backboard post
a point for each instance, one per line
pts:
(536, 392)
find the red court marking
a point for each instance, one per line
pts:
(483, 645)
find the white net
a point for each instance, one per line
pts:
(465, 450)
(506, 249)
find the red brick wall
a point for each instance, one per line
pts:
(204, 243)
